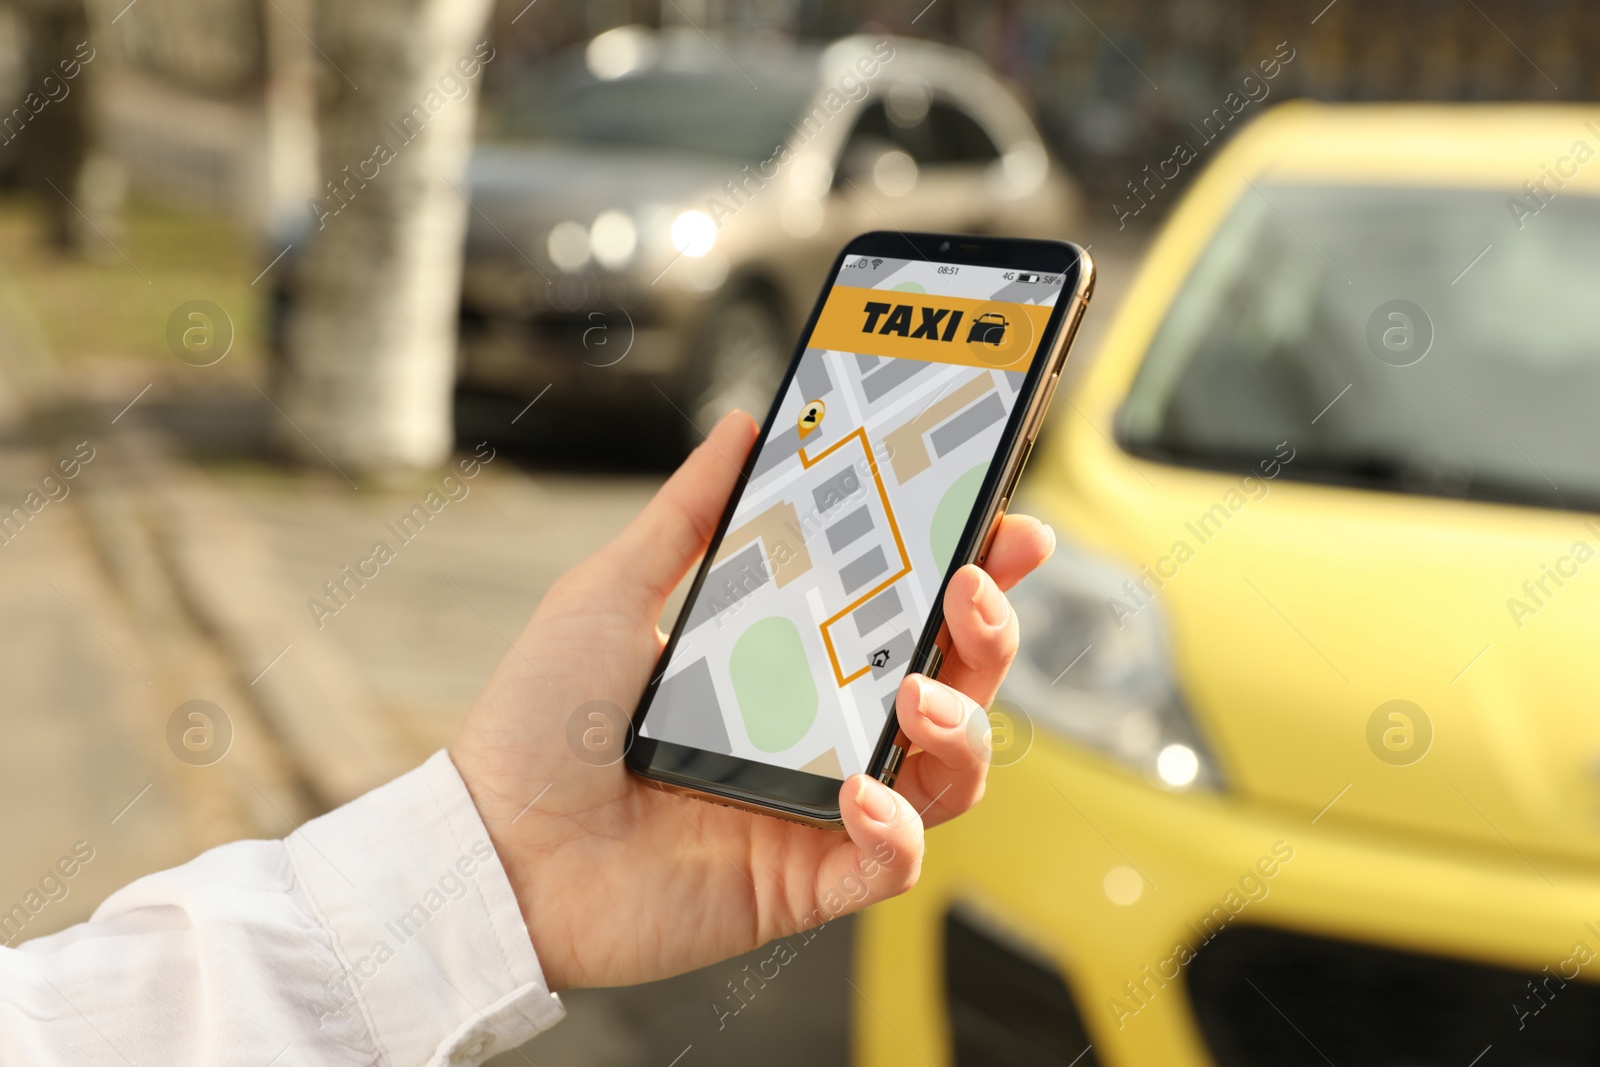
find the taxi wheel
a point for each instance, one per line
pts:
(741, 358)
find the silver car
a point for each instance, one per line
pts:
(655, 212)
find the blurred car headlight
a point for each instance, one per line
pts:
(694, 233)
(613, 237)
(568, 245)
(895, 173)
(1101, 678)
(908, 102)
(619, 52)
(1022, 170)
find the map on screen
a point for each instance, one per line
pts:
(796, 642)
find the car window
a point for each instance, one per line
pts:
(933, 132)
(958, 137)
(711, 113)
(1401, 338)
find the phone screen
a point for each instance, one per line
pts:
(793, 647)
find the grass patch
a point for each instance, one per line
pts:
(114, 303)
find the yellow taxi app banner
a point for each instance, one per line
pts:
(995, 334)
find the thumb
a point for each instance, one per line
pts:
(653, 552)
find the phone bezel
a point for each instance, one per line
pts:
(810, 798)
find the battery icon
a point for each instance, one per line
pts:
(1027, 278)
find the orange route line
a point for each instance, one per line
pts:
(807, 462)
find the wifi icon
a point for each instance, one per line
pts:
(877, 263)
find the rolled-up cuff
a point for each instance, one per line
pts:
(438, 960)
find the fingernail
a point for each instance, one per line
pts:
(937, 704)
(991, 603)
(1050, 531)
(876, 800)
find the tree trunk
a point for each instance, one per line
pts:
(373, 335)
(290, 67)
(78, 185)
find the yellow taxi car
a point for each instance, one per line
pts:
(1300, 760)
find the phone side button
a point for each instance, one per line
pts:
(1016, 472)
(1022, 463)
(999, 517)
(891, 765)
(935, 661)
(1037, 419)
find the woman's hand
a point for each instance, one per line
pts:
(621, 883)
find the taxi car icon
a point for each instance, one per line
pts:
(988, 328)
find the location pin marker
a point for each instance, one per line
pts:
(811, 417)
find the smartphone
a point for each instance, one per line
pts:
(899, 431)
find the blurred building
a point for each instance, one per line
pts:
(211, 102)
(1117, 84)
(204, 103)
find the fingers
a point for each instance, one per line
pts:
(947, 776)
(653, 552)
(1020, 545)
(883, 855)
(945, 718)
(983, 634)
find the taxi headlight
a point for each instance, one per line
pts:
(1103, 676)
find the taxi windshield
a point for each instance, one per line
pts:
(1435, 341)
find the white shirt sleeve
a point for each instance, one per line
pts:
(384, 932)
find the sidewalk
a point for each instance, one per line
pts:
(83, 709)
(98, 654)
(425, 632)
